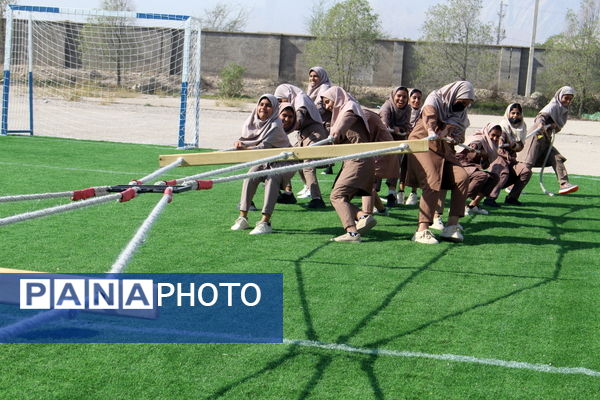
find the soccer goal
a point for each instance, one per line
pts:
(102, 74)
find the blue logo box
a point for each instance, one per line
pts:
(141, 308)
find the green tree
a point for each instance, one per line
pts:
(453, 45)
(345, 40)
(573, 57)
(225, 17)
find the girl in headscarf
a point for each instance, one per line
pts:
(555, 114)
(414, 101)
(482, 151)
(262, 130)
(303, 134)
(318, 83)
(395, 114)
(356, 177)
(506, 166)
(443, 119)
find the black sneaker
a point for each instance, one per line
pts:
(491, 202)
(514, 202)
(286, 198)
(316, 203)
(391, 200)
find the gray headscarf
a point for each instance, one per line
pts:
(555, 109)
(414, 112)
(298, 98)
(513, 133)
(267, 133)
(316, 91)
(483, 137)
(400, 116)
(442, 100)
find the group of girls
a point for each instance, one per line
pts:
(500, 156)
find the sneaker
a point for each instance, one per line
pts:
(346, 237)
(261, 228)
(491, 202)
(317, 203)
(568, 188)
(400, 198)
(508, 189)
(452, 233)
(240, 224)
(365, 224)
(475, 210)
(328, 170)
(412, 199)
(425, 237)
(514, 202)
(391, 200)
(286, 198)
(438, 224)
(303, 191)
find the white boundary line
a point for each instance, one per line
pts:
(591, 178)
(446, 357)
(102, 171)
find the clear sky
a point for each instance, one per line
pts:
(400, 19)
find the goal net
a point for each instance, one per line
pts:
(99, 74)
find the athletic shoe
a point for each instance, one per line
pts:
(240, 224)
(412, 199)
(328, 170)
(385, 212)
(568, 188)
(304, 193)
(391, 200)
(425, 237)
(452, 233)
(508, 189)
(346, 237)
(365, 224)
(317, 203)
(475, 210)
(491, 202)
(514, 202)
(261, 228)
(286, 198)
(438, 224)
(400, 198)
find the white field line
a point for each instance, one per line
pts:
(102, 171)
(590, 178)
(446, 357)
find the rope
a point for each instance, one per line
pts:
(296, 167)
(10, 331)
(58, 209)
(126, 255)
(36, 196)
(158, 172)
(236, 167)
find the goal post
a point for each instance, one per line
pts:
(112, 73)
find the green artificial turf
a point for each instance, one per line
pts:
(524, 286)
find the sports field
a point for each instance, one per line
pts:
(511, 313)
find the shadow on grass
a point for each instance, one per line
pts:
(366, 363)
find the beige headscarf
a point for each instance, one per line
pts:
(342, 102)
(414, 112)
(555, 109)
(483, 137)
(513, 133)
(400, 116)
(442, 100)
(298, 98)
(316, 91)
(282, 107)
(264, 134)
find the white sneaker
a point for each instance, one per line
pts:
(568, 188)
(261, 228)
(476, 210)
(452, 233)
(240, 224)
(365, 224)
(425, 237)
(304, 193)
(438, 224)
(400, 198)
(412, 199)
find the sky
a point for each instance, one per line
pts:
(400, 19)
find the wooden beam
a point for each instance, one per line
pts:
(299, 153)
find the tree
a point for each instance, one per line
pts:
(452, 50)
(107, 41)
(345, 40)
(222, 17)
(573, 57)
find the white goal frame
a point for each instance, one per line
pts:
(189, 106)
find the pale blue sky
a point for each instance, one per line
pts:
(400, 18)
